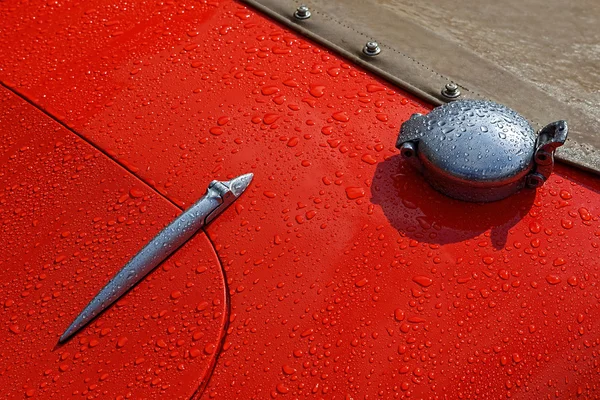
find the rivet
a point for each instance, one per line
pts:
(408, 149)
(543, 158)
(451, 90)
(371, 49)
(535, 180)
(302, 12)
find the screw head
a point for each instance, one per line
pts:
(371, 49)
(302, 12)
(451, 90)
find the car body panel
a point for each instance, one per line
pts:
(71, 217)
(348, 276)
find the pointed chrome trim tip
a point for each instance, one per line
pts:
(82, 319)
(241, 183)
(66, 335)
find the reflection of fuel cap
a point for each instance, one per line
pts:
(479, 151)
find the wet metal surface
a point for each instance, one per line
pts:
(69, 219)
(479, 151)
(418, 60)
(218, 197)
(348, 275)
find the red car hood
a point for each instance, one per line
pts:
(339, 274)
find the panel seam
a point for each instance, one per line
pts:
(204, 383)
(88, 141)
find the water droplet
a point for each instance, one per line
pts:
(423, 280)
(355, 192)
(341, 116)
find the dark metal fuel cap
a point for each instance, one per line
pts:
(479, 151)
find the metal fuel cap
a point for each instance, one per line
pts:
(479, 151)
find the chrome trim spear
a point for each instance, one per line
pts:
(218, 197)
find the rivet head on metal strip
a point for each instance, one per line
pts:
(451, 91)
(479, 151)
(371, 49)
(302, 12)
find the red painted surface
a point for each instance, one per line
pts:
(70, 218)
(349, 277)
